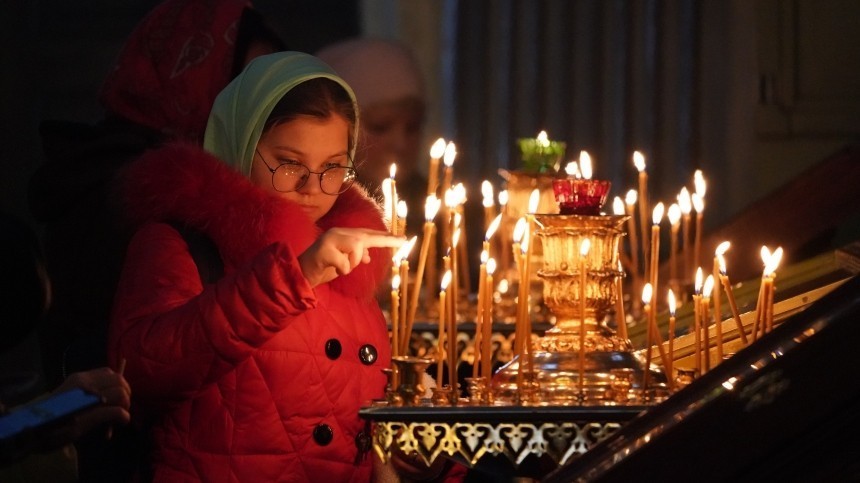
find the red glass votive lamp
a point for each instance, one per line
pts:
(580, 196)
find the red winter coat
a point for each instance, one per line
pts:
(258, 377)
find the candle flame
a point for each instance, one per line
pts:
(684, 201)
(674, 214)
(402, 210)
(708, 286)
(699, 183)
(584, 246)
(572, 169)
(765, 254)
(460, 192)
(617, 206)
(437, 149)
(494, 225)
(773, 262)
(534, 200)
(395, 282)
(671, 299)
(455, 238)
(450, 154)
(392, 170)
(450, 198)
(403, 252)
(646, 293)
(491, 266)
(657, 214)
(722, 248)
(699, 277)
(639, 161)
(503, 197)
(504, 285)
(520, 229)
(585, 164)
(543, 139)
(446, 280)
(431, 208)
(631, 197)
(485, 255)
(487, 192)
(721, 261)
(698, 203)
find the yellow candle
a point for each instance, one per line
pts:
(431, 207)
(440, 340)
(630, 201)
(671, 301)
(697, 319)
(639, 162)
(505, 260)
(479, 318)
(487, 355)
(706, 318)
(620, 317)
(656, 217)
(395, 314)
(762, 296)
(686, 206)
(392, 171)
(699, 205)
(674, 215)
(584, 247)
(718, 303)
(646, 301)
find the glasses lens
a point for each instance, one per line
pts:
(336, 180)
(290, 177)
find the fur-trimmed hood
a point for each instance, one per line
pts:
(185, 184)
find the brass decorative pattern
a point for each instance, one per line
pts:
(561, 441)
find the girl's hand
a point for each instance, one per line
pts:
(339, 250)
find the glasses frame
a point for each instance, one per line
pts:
(349, 179)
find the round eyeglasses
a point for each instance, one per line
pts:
(288, 177)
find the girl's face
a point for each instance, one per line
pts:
(316, 144)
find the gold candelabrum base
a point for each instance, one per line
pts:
(580, 361)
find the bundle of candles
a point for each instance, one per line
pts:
(641, 261)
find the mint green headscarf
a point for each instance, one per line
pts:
(241, 109)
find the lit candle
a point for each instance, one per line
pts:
(639, 162)
(718, 303)
(674, 215)
(620, 317)
(699, 205)
(431, 208)
(522, 310)
(394, 224)
(762, 297)
(706, 318)
(686, 205)
(768, 277)
(646, 301)
(504, 241)
(488, 202)
(534, 201)
(402, 212)
(488, 236)
(404, 289)
(654, 264)
(670, 299)
(618, 210)
(463, 281)
(440, 340)
(630, 201)
(730, 295)
(584, 247)
(395, 315)
(447, 178)
(697, 319)
(487, 356)
(479, 318)
(388, 205)
(436, 152)
(455, 287)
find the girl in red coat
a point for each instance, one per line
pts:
(257, 375)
